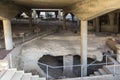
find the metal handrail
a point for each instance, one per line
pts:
(78, 65)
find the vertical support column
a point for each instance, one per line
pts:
(56, 13)
(84, 48)
(7, 34)
(34, 14)
(64, 20)
(29, 13)
(72, 17)
(94, 24)
(117, 26)
(38, 13)
(97, 21)
(59, 15)
(30, 19)
(118, 22)
(68, 65)
(111, 18)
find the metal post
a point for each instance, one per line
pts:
(46, 72)
(81, 71)
(23, 38)
(106, 60)
(10, 61)
(114, 69)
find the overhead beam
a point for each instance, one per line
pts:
(89, 9)
(8, 11)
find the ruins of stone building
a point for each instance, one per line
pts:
(39, 41)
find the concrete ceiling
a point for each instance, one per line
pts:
(56, 4)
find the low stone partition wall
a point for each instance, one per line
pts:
(12, 60)
(14, 57)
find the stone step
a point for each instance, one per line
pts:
(114, 69)
(26, 76)
(96, 73)
(13, 74)
(18, 75)
(42, 78)
(102, 72)
(106, 70)
(35, 77)
(8, 74)
(111, 59)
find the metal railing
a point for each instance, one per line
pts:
(55, 67)
(48, 68)
(106, 63)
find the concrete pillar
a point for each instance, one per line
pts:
(117, 26)
(118, 22)
(56, 13)
(59, 15)
(30, 20)
(97, 21)
(64, 22)
(94, 24)
(84, 48)
(7, 34)
(111, 18)
(72, 17)
(34, 14)
(38, 13)
(67, 62)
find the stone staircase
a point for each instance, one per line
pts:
(109, 72)
(102, 71)
(13, 74)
